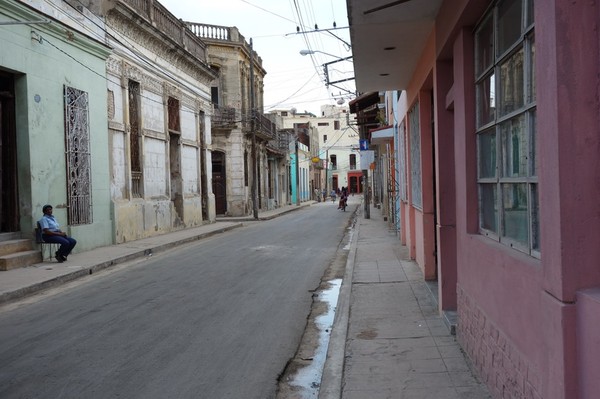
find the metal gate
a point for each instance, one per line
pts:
(78, 159)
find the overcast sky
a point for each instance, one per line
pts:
(293, 80)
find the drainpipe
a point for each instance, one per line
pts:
(254, 174)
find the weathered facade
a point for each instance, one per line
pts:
(159, 122)
(53, 135)
(247, 160)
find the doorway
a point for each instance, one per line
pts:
(218, 182)
(9, 198)
(354, 181)
(175, 170)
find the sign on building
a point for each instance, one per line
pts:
(366, 159)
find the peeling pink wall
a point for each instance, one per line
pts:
(530, 325)
(568, 100)
(568, 115)
(532, 302)
(424, 232)
(445, 185)
(588, 309)
(495, 282)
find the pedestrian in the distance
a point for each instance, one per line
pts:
(51, 232)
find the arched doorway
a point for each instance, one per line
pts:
(219, 180)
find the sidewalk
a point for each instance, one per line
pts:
(21, 282)
(388, 340)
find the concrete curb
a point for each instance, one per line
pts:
(333, 370)
(268, 217)
(284, 212)
(20, 293)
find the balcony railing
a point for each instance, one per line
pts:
(207, 33)
(264, 128)
(224, 117)
(284, 138)
(281, 144)
(215, 32)
(163, 20)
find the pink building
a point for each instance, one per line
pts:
(497, 120)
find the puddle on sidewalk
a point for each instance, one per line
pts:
(307, 379)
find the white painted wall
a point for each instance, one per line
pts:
(118, 182)
(189, 127)
(153, 111)
(189, 166)
(155, 175)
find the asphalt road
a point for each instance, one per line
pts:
(219, 318)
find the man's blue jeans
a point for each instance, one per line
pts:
(66, 243)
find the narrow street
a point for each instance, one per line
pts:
(219, 318)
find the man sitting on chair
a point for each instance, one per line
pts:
(51, 233)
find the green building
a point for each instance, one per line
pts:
(53, 120)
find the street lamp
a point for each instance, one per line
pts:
(326, 65)
(311, 52)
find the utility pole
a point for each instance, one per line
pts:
(365, 175)
(367, 197)
(297, 170)
(326, 173)
(252, 129)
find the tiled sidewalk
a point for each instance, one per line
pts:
(397, 346)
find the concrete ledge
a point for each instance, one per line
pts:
(450, 318)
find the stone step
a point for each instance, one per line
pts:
(10, 236)
(18, 245)
(20, 259)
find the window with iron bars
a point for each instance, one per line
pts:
(78, 158)
(135, 139)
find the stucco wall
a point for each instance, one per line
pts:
(138, 219)
(118, 182)
(153, 111)
(506, 370)
(155, 168)
(237, 192)
(521, 337)
(518, 318)
(42, 70)
(171, 188)
(588, 349)
(189, 124)
(500, 310)
(189, 166)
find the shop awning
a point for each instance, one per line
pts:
(383, 135)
